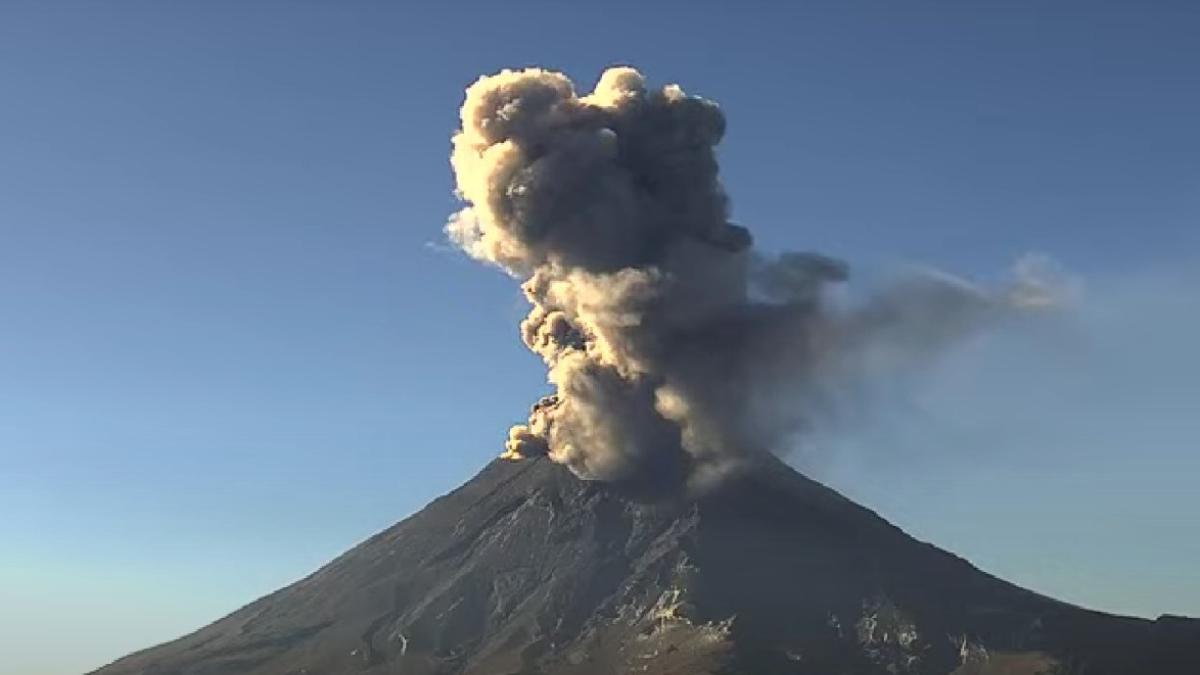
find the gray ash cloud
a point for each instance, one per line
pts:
(675, 350)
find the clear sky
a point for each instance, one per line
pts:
(232, 345)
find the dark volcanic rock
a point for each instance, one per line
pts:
(527, 570)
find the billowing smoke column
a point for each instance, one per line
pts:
(676, 352)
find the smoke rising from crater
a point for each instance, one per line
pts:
(675, 350)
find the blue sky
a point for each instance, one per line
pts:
(229, 351)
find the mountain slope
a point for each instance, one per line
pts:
(526, 569)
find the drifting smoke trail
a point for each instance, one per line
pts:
(675, 351)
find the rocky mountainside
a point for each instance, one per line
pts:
(527, 570)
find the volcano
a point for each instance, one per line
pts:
(526, 569)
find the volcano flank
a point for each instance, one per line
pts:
(526, 569)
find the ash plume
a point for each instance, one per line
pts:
(676, 351)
